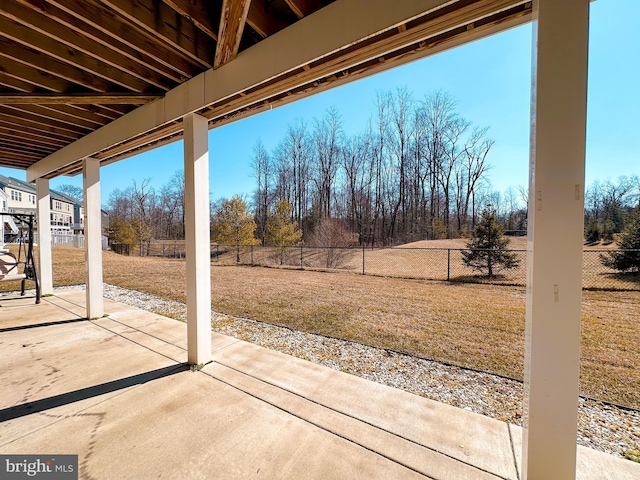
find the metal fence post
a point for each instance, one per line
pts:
(363, 259)
(448, 264)
(217, 254)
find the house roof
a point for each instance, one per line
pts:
(30, 188)
(16, 184)
(70, 67)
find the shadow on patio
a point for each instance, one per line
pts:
(117, 392)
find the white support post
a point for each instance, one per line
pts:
(43, 196)
(93, 237)
(198, 238)
(556, 211)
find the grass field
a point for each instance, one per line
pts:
(472, 325)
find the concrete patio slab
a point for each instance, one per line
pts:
(116, 391)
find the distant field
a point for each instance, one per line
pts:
(473, 325)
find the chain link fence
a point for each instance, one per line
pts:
(445, 264)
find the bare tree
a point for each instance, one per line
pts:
(143, 199)
(71, 190)
(326, 139)
(262, 171)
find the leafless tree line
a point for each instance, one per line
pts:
(417, 172)
(607, 204)
(141, 213)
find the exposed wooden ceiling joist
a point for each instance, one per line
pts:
(36, 77)
(31, 47)
(78, 99)
(233, 18)
(201, 14)
(32, 21)
(105, 29)
(158, 19)
(55, 117)
(40, 122)
(8, 131)
(106, 45)
(51, 64)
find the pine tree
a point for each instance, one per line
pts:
(627, 258)
(235, 225)
(488, 248)
(282, 231)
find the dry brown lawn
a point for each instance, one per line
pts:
(472, 325)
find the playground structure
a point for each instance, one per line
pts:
(14, 268)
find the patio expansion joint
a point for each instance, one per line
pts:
(140, 344)
(513, 452)
(322, 406)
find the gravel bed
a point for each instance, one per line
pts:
(601, 426)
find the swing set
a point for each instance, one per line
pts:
(14, 269)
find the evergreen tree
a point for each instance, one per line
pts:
(282, 231)
(627, 258)
(488, 248)
(235, 226)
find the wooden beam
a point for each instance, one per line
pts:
(99, 24)
(63, 61)
(120, 109)
(263, 20)
(77, 112)
(26, 119)
(19, 155)
(13, 143)
(161, 22)
(54, 116)
(44, 63)
(53, 30)
(99, 110)
(34, 76)
(9, 140)
(9, 161)
(200, 13)
(78, 98)
(232, 20)
(15, 84)
(28, 128)
(302, 8)
(8, 130)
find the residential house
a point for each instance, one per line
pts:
(71, 206)
(66, 212)
(21, 196)
(7, 225)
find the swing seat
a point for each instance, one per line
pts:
(9, 267)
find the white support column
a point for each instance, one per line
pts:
(556, 210)
(44, 236)
(198, 238)
(93, 237)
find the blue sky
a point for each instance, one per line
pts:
(491, 82)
